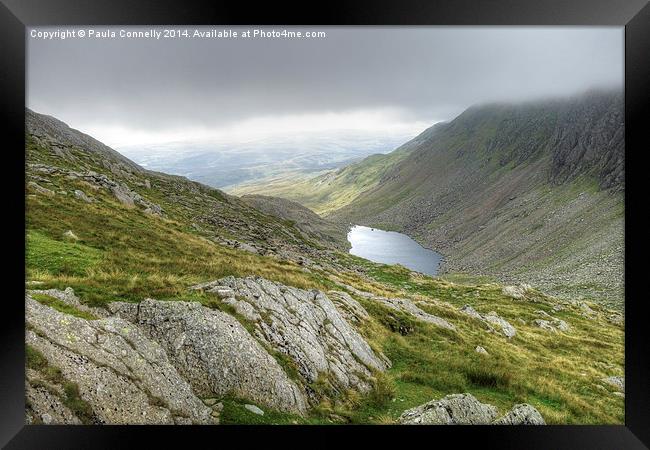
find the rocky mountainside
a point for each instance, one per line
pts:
(154, 299)
(529, 192)
(55, 150)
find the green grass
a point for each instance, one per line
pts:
(59, 257)
(62, 306)
(235, 413)
(123, 254)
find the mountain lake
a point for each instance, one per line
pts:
(390, 247)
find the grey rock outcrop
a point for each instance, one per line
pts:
(403, 305)
(307, 327)
(246, 247)
(617, 382)
(98, 181)
(481, 350)
(215, 353)
(349, 308)
(490, 319)
(407, 306)
(522, 414)
(121, 373)
(586, 311)
(44, 406)
(616, 319)
(468, 310)
(454, 409)
(552, 324)
(122, 192)
(517, 292)
(123, 195)
(508, 330)
(465, 409)
(40, 189)
(81, 195)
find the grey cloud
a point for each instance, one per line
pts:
(428, 72)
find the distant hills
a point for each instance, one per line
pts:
(224, 164)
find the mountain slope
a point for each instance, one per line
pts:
(530, 192)
(83, 164)
(186, 305)
(303, 218)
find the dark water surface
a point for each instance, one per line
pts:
(390, 247)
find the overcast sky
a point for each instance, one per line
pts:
(376, 80)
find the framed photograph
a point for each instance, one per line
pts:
(369, 220)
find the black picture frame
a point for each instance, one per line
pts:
(15, 15)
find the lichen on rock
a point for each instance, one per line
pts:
(307, 327)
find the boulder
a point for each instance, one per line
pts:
(522, 414)
(544, 325)
(215, 288)
(215, 353)
(490, 319)
(516, 292)
(81, 195)
(454, 409)
(254, 409)
(615, 318)
(561, 325)
(587, 311)
(553, 325)
(246, 247)
(70, 235)
(40, 189)
(508, 330)
(481, 350)
(308, 328)
(465, 409)
(123, 194)
(123, 375)
(617, 382)
(468, 310)
(408, 307)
